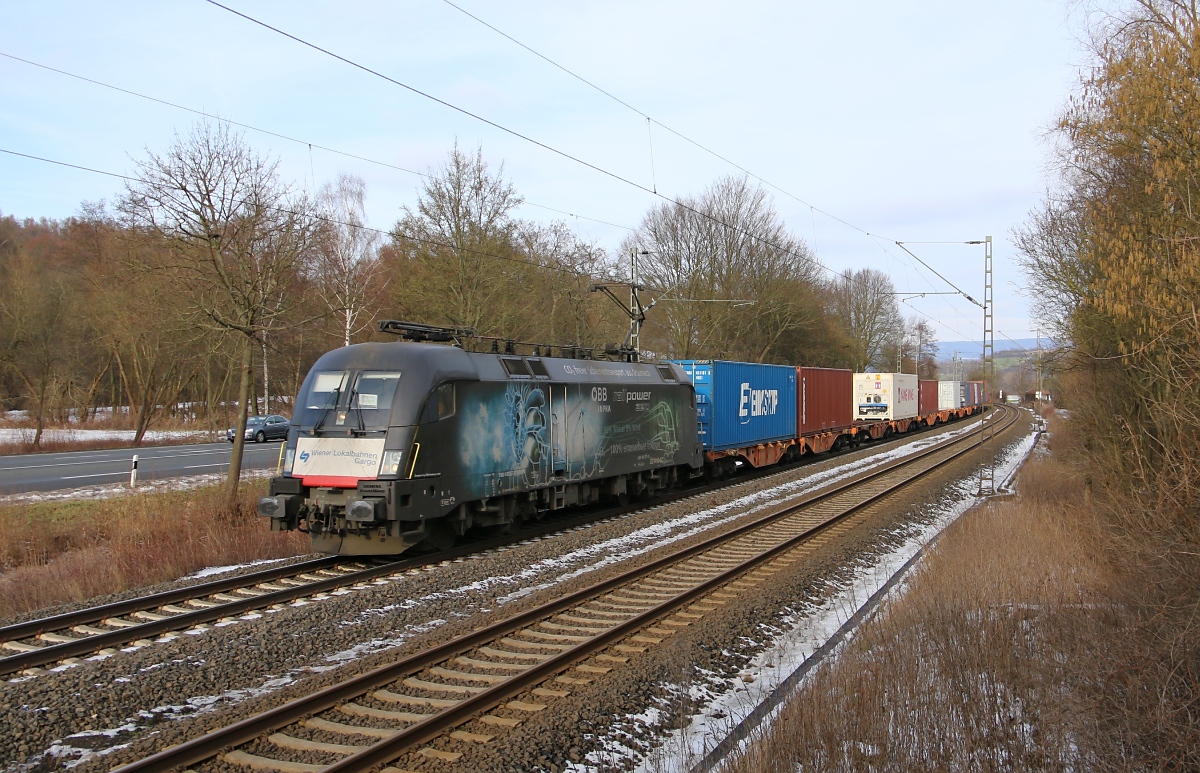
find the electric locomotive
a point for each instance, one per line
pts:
(394, 445)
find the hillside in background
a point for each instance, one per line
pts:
(973, 350)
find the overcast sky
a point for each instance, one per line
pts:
(913, 121)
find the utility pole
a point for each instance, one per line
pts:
(1037, 363)
(630, 350)
(987, 472)
(636, 315)
(917, 358)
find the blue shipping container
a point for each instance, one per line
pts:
(742, 404)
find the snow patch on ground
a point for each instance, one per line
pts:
(111, 490)
(215, 570)
(26, 434)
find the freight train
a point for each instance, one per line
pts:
(398, 445)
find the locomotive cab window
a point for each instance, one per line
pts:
(325, 390)
(516, 367)
(372, 397)
(440, 404)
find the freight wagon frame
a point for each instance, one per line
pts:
(823, 419)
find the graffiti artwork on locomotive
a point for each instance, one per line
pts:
(397, 444)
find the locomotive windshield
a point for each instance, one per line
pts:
(353, 400)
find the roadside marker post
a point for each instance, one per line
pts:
(133, 473)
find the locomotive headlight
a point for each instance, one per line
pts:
(289, 456)
(391, 463)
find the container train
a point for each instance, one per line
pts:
(398, 445)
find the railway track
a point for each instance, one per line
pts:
(438, 703)
(28, 648)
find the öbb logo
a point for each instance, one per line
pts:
(757, 402)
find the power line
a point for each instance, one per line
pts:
(652, 191)
(939, 276)
(519, 135)
(269, 132)
(938, 322)
(649, 118)
(64, 163)
(330, 220)
(610, 95)
(422, 175)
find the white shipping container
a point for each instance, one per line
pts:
(950, 395)
(885, 396)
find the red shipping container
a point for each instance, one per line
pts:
(927, 397)
(825, 399)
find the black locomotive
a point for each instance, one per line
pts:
(397, 444)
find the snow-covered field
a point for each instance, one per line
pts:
(71, 435)
(110, 490)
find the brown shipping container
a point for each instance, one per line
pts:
(927, 397)
(825, 399)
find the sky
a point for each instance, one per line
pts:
(868, 123)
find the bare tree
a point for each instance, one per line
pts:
(347, 270)
(563, 309)
(458, 249)
(865, 303)
(920, 348)
(730, 274)
(238, 238)
(36, 322)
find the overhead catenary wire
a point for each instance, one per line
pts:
(662, 125)
(812, 208)
(652, 191)
(526, 138)
(310, 145)
(939, 276)
(278, 135)
(330, 220)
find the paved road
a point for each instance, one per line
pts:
(72, 469)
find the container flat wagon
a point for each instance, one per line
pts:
(745, 411)
(824, 412)
(884, 403)
(950, 396)
(974, 394)
(927, 399)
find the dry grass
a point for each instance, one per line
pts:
(53, 553)
(994, 659)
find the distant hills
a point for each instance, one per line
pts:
(973, 350)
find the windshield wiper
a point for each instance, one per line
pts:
(362, 428)
(333, 401)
